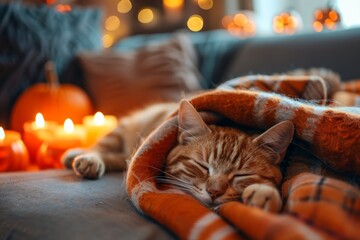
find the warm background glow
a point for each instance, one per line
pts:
(285, 23)
(63, 8)
(124, 6)
(173, 3)
(205, 4)
(240, 24)
(325, 19)
(131, 17)
(107, 40)
(146, 15)
(112, 23)
(195, 23)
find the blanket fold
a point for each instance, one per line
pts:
(316, 207)
(258, 224)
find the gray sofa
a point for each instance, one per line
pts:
(55, 204)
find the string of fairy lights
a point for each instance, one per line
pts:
(151, 16)
(242, 23)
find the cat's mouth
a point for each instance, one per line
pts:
(213, 204)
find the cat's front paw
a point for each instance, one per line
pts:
(88, 165)
(68, 157)
(262, 196)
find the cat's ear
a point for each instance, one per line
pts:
(277, 138)
(191, 124)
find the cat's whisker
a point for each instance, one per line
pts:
(156, 178)
(148, 178)
(173, 181)
(137, 178)
(186, 187)
(167, 174)
(166, 178)
(153, 167)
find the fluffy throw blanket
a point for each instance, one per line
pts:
(316, 206)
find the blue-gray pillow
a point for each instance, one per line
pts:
(31, 35)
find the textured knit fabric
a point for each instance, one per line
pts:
(315, 206)
(352, 86)
(32, 35)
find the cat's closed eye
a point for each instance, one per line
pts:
(202, 165)
(243, 175)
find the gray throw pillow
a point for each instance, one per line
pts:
(120, 83)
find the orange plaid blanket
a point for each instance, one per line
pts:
(315, 206)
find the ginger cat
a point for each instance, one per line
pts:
(214, 164)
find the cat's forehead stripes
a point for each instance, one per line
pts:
(228, 149)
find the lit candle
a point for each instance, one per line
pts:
(66, 137)
(13, 153)
(97, 126)
(37, 132)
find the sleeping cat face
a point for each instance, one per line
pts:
(215, 164)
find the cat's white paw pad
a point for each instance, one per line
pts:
(262, 196)
(88, 166)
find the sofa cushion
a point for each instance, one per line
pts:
(32, 35)
(160, 72)
(337, 50)
(56, 204)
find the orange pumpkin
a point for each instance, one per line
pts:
(13, 153)
(55, 101)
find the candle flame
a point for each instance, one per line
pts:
(68, 125)
(39, 120)
(99, 118)
(2, 134)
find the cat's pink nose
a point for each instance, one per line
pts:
(214, 193)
